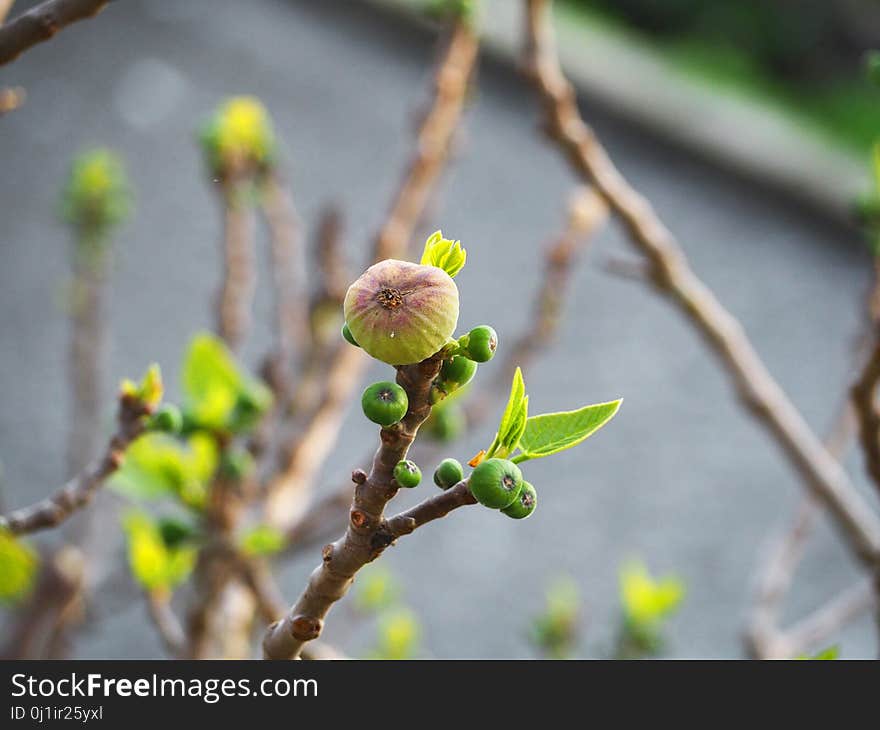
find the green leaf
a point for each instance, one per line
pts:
(444, 254)
(511, 411)
(550, 433)
(647, 601)
(211, 380)
(153, 564)
(262, 540)
(18, 566)
(517, 426)
(158, 465)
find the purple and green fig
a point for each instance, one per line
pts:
(402, 313)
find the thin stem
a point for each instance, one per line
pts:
(673, 277)
(41, 23)
(80, 490)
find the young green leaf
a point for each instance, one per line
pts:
(511, 411)
(18, 565)
(517, 427)
(211, 380)
(827, 654)
(153, 564)
(550, 433)
(444, 254)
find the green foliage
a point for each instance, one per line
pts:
(545, 434)
(551, 433)
(238, 135)
(513, 419)
(377, 590)
(155, 565)
(442, 9)
(158, 466)
(167, 419)
(96, 196)
(262, 540)
(399, 635)
(18, 567)
(555, 631)
(218, 396)
(148, 391)
(444, 254)
(646, 603)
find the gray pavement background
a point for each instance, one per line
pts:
(681, 477)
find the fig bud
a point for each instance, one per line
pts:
(524, 504)
(402, 313)
(496, 483)
(407, 474)
(385, 403)
(448, 474)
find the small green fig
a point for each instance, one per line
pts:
(524, 504)
(167, 419)
(348, 336)
(385, 403)
(480, 343)
(496, 483)
(448, 474)
(407, 474)
(402, 313)
(456, 373)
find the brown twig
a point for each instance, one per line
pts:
(80, 490)
(41, 23)
(166, 622)
(367, 535)
(5, 7)
(290, 308)
(672, 276)
(864, 396)
(235, 297)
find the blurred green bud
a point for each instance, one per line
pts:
(262, 540)
(872, 66)
(465, 10)
(446, 423)
(175, 532)
(149, 391)
(96, 195)
(239, 136)
(18, 567)
(167, 419)
(236, 465)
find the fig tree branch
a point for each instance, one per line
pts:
(235, 298)
(314, 443)
(41, 23)
(672, 276)
(367, 534)
(80, 490)
(166, 622)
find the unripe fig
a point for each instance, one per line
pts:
(407, 474)
(349, 338)
(402, 313)
(448, 474)
(524, 504)
(480, 343)
(168, 419)
(385, 403)
(457, 372)
(496, 483)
